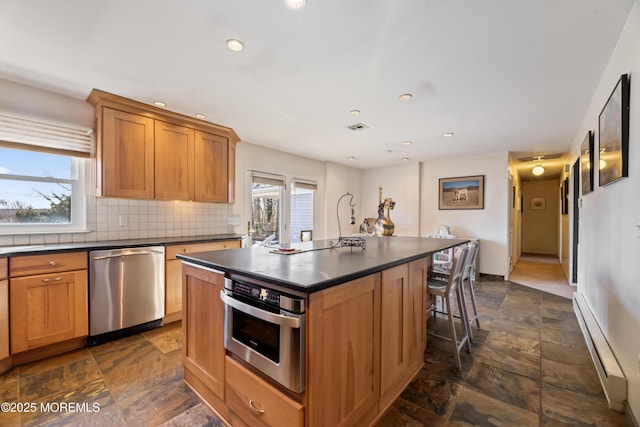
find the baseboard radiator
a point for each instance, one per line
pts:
(611, 376)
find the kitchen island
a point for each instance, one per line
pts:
(363, 336)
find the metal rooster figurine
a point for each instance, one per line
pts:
(384, 225)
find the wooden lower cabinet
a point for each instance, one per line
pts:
(4, 311)
(343, 354)
(173, 273)
(403, 323)
(256, 402)
(203, 350)
(47, 309)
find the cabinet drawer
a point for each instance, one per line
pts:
(172, 250)
(3, 268)
(48, 263)
(258, 403)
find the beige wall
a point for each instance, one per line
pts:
(540, 226)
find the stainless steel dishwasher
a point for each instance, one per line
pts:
(126, 292)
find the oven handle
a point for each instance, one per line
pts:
(267, 316)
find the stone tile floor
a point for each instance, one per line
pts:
(529, 366)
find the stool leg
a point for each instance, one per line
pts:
(452, 332)
(464, 314)
(464, 319)
(473, 302)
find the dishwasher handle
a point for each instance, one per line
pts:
(126, 254)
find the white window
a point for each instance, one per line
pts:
(41, 176)
(281, 208)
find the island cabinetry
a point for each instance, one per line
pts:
(145, 152)
(403, 322)
(256, 402)
(203, 350)
(4, 314)
(48, 299)
(344, 354)
(173, 272)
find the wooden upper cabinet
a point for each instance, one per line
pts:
(127, 155)
(174, 161)
(146, 152)
(211, 168)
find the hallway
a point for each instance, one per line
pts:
(543, 273)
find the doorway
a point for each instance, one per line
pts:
(540, 217)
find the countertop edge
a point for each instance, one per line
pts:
(9, 251)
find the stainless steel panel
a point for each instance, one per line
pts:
(126, 288)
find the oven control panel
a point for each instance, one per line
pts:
(271, 297)
(258, 293)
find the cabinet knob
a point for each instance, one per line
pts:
(186, 250)
(52, 263)
(255, 408)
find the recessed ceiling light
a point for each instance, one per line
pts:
(407, 142)
(448, 134)
(387, 151)
(294, 4)
(200, 116)
(537, 170)
(405, 96)
(351, 158)
(354, 112)
(404, 159)
(235, 45)
(159, 104)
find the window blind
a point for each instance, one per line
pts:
(38, 135)
(267, 179)
(308, 185)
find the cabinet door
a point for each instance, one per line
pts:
(174, 179)
(394, 357)
(4, 319)
(47, 309)
(231, 173)
(203, 327)
(417, 310)
(126, 155)
(173, 273)
(343, 353)
(403, 333)
(211, 168)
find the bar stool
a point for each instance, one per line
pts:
(468, 277)
(468, 274)
(451, 288)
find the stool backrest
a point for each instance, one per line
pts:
(457, 267)
(470, 262)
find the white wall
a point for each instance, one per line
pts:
(609, 243)
(402, 184)
(488, 224)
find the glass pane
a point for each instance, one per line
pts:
(301, 212)
(31, 163)
(265, 215)
(24, 202)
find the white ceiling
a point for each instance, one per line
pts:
(503, 75)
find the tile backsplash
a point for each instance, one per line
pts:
(118, 219)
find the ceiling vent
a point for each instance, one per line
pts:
(540, 157)
(357, 127)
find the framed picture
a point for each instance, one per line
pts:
(586, 164)
(564, 196)
(538, 203)
(466, 192)
(613, 153)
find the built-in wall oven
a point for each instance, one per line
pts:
(265, 327)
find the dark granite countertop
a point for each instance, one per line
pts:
(318, 266)
(108, 244)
